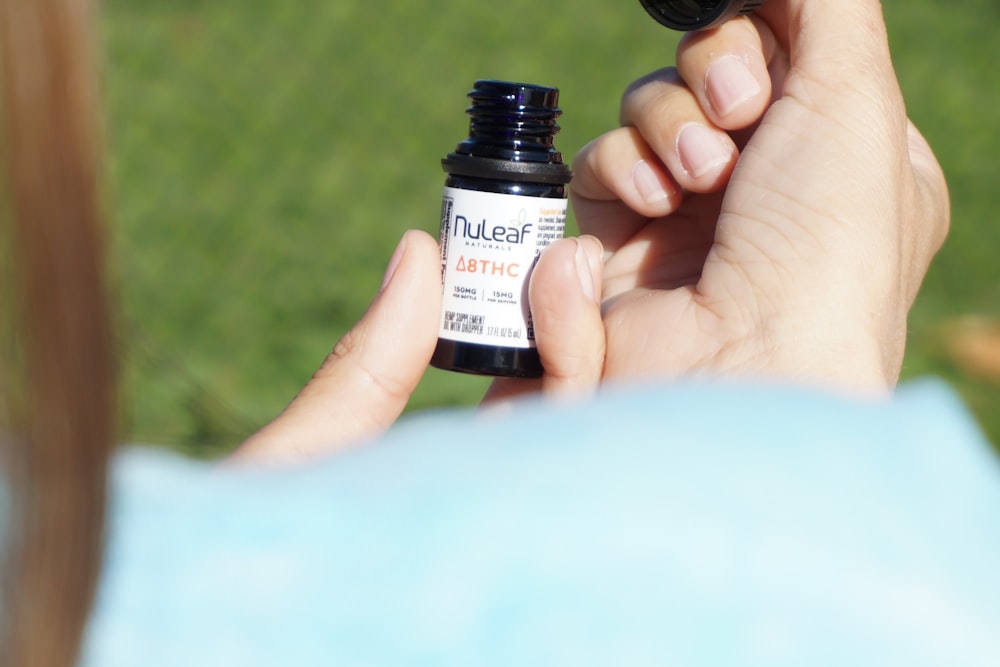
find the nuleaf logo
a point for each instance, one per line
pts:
(483, 231)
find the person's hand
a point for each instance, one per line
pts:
(565, 294)
(767, 208)
(364, 384)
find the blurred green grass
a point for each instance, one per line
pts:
(266, 157)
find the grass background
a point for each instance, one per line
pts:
(267, 156)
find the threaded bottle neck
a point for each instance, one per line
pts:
(512, 121)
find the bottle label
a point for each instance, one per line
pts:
(489, 245)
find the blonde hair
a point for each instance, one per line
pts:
(62, 421)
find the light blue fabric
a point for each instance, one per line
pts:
(682, 525)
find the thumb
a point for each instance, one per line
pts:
(565, 296)
(364, 384)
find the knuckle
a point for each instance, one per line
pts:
(649, 91)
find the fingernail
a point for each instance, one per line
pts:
(729, 83)
(584, 274)
(648, 184)
(397, 257)
(701, 149)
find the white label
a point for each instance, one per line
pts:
(489, 245)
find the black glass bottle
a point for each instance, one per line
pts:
(504, 201)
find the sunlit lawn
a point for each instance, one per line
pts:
(267, 156)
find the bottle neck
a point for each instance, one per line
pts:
(511, 121)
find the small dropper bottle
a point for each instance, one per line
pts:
(504, 202)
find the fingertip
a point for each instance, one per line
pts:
(727, 68)
(731, 87)
(656, 193)
(587, 286)
(415, 264)
(389, 348)
(706, 155)
(363, 385)
(592, 251)
(565, 293)
(423, 245)
(422, 239)
(670, 143)
(620, 166)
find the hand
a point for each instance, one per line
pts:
(565, 295)
(767, 208)
(364, 384)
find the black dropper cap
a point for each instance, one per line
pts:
(697, 14)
